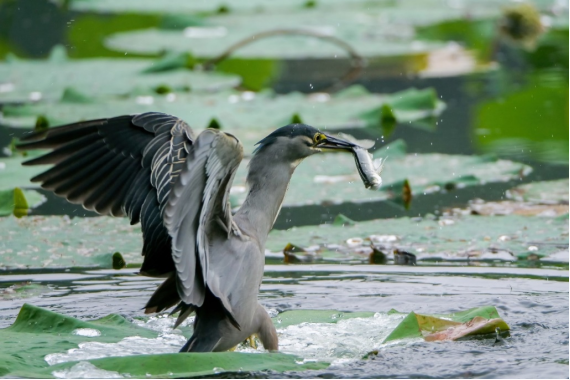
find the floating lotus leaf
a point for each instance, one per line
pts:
(545, 192)
(33, 80)
(333, 178)
(250, 116)
(218, 6)
(518, 208)
(359, 26)
(471, 237)
(36, 343)
(38, 332)
(480, 320)
(58, 242)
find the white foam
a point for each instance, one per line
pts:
(133, 345)
(87, 332)
(168, 341)
(338, 343)
(86, 370)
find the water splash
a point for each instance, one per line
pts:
(168, 341)
(87, 332)
(86, 370)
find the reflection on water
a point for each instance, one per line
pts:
(536, 309)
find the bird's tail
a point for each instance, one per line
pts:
(201, 343)
(164, 297)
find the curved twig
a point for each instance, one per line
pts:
(356, 65)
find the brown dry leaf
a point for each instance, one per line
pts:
(477, 325)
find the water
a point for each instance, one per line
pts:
(534, 302)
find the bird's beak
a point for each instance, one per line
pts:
(336, 143)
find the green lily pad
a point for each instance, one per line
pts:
(196, 364)
(33, 80)
(476, 321)
(38, 332)
(465, 238)
(13, 174)
(58, 242)
(544, 192)
(333, 177)
(217, 6)
(79, 242)
(356, 25)
(518, 208)
(250, 116)
(42, 343)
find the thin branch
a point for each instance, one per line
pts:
(356, 65)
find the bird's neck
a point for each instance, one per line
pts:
(268, 182)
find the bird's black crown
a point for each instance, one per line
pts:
(291, 130)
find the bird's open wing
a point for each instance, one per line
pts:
(194, 217)
(121, 166)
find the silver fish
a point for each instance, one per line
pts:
(369, 173)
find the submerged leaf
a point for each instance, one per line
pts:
(343, 220)
(72, 95)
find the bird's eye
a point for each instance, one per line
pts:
(318, 137)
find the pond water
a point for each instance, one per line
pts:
(534, 302)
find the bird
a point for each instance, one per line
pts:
(153, 168)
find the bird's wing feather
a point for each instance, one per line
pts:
(190, 214)
(120, 166)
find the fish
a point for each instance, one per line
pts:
(369, 173)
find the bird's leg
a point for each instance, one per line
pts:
(236, 230)
(222, 224)
(252, 342)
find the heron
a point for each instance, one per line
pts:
(153, 169)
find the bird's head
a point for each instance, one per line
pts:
(295, 142)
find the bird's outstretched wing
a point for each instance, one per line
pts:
(121, 166)
(194, 217)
